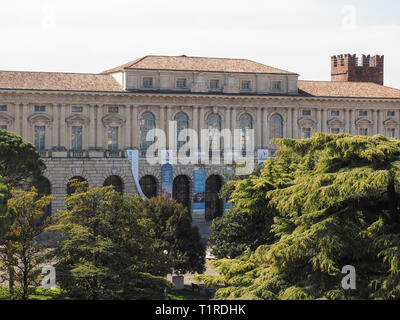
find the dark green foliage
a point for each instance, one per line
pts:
(247, 223)
(5, 215)
(109, 251)
(337, 198)
(19, 161)
(172, 225)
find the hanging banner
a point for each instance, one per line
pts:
(228, 175)
(166, 174)
(199, 190)
(262, 155)
(133, 157)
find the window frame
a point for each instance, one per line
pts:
(214, 81)
(144, 79)
(39, 108)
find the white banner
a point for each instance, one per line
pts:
(133, 157)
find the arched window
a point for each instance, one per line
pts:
(149, 186)
(245, 123)
(181, 191)
(71, 188)
(214, 205)
(214, 126)
(182, 123)
(276, 125)
(116, 182)
(147, 123)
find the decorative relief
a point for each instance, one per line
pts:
(40, 119)
(77, 119)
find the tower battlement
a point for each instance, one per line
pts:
(350, 68)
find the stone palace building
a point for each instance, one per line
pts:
(82, 124)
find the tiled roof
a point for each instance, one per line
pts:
(346, 90)
(57, 81)
(184, 63)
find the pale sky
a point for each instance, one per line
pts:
(294, 35)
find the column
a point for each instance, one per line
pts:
(319, 120)
(56, 125)
(201, 125)
(128, 127)
(296, 133)
(265, 128)
(168, 119)
(135, 127)
(92, 126)
(289, 123)
(17, 122)
(352, 123)
(99, 127)
(379, 123)
(324, 120)
(375, 120)
(258, 132)
(63, 129)
(233, 127)
(347, 120)
(24, 122)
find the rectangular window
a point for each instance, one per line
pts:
(390, 114)
(181, 83)
(363, 114)
(113, 109)
(40, 138)
(391, 133)
(40, 108)
(335, 130)
(3, 108)
(214, 84)
(306, 132)
(147, 82)
(363, 131)
(335, 113)
(306, 113)
(76, 138)
(3, 127)
(246, 85)
(113, 138)
(276, 85)
(77, 109)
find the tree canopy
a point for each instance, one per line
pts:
(19, 161)
(337, 203)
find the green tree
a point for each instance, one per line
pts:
(21, 251)
(338, 203)
(108, 250)
(171, 224)
(247, 224)
(5, 216)
(20, 163)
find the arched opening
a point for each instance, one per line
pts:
(43, 186)
(245, 123)
(182, 123)
(214, 124)
(116, 182)
(214, 205)
(147, 123)
(149, 186)
(181, 191)
(71, 188)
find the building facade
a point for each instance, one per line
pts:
(82, 124)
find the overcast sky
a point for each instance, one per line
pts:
(298, 36)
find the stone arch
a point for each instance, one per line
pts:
(149, 185)
(209, 112)
(71, 189)
(181, 191)
(214, 205)
(271, 122)
(115, 181)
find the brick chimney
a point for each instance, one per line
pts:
(349, 68)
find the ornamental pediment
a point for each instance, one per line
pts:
(6, 118)
(364, 122)
(307, 122)
(113, 119)
(77, 119)
(42, 118)
(336, 122)
(390, 122)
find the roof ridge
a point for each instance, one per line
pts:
(56, 72)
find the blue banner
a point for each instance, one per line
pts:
(199, 190)
(166, 180)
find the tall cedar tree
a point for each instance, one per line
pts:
(108, 250)
(247, 224)
(5, 216)
(338, 203)
(21, 250)
(172, 224)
